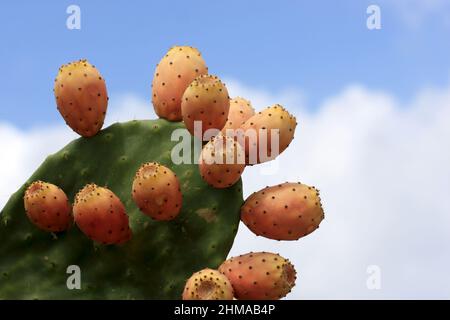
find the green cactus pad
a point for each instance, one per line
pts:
(158, 259)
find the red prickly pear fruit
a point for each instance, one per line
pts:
(287, 211)
(208, 284)
(156, 191)
(176, 70)
(205, 101)
(47, 207)
(259, 276)
(222, 162)
(101, 216)
(274, 121)
(240, 110)
(81, 97)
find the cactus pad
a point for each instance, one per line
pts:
(161, 255)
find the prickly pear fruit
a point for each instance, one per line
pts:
(100, 214)
(81, 97)
(47, 207)
(259, 276)
(156, 191)
(176, 70)
(274, 121)
(206, 102)
(287, 211)
(208, 284)
(222, 162)
(240, 110)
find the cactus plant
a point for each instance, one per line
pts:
(33, 262)
(136, 209)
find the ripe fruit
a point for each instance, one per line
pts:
(259, 276)
(100, 214)
(264, 124)
(156, 191)
(176, 70)
(47, 207)
(206, 102)
(240, 110)
(208, 284)
(222, 162)
(287, 211)
(81, 96)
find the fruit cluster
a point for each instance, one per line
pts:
(233, 136)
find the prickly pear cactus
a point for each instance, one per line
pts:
(158, 259)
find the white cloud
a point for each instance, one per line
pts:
(384, 175)
(23, 151)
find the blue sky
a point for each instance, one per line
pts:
(318, 47)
